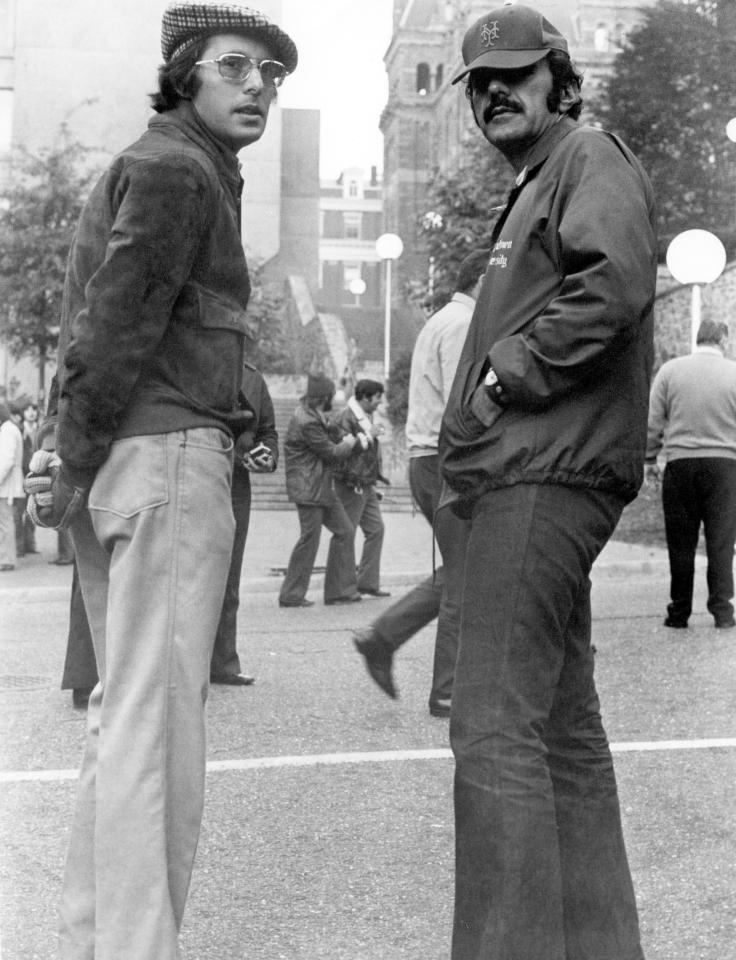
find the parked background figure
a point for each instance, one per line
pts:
(151, 351)
(542, 445)
(313, 445)
(433, 364)
(11, 485)
(692, 421)
(356, 479)
(256, 451)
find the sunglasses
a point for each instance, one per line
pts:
(236, 67)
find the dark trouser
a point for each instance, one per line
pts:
(340, 580)
(364, 511)
(699, 490)
(225, 660)
(541, 868)
(25, 530)
(80, 666)
(438, 595)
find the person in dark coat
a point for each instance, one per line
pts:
(312, 446)
(257, 451)
(542, 444)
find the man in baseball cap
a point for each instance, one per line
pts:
(542, 445)
(151, 354)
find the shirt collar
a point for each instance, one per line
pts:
(709, 348)
(463, 298)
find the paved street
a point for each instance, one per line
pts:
(328, 827)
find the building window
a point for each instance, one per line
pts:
(353, 188)
(352, 226)
(350, 272)
(439, 76)
(422, 79)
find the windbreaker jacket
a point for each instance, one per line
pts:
(312, 446)
(152, 325)
(564, 317)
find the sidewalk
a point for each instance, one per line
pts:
(407, 558)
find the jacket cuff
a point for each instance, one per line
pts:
(77, 477)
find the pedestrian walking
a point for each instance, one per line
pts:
(433, 364)
(25, 529)
(11, 486)
(356, 479)
(692, 423)
(151, 355)
(542, 445)
(313, 445)
(257, 451)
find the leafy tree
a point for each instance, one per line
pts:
(464, 205)
(270, 345)
(397, 394)
(38, 213)
(670, 96)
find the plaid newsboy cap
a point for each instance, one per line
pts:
(186, 21)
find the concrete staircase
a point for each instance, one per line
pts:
(269, 489)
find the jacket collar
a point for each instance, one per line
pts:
(545, 145)
(189, 123)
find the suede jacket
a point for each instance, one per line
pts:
(312, 446)
(564, 318)
(152, 326)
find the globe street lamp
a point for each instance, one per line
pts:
(357, 288)
(696, 257)
(388, 247)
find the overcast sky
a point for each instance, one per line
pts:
(341, 73)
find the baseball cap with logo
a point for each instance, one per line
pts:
(509, 37)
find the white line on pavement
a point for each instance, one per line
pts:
(385, 756)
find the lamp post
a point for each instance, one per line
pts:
(389, 247)
(696, 257)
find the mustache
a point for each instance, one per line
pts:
(498, 100)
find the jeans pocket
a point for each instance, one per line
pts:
(133, 478)
(209, 438)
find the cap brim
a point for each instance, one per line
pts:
(502, 60)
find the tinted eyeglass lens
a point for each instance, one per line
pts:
(236, 66)
(273, 72)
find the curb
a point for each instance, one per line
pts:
(612, 569)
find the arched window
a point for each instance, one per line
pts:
(422, 79)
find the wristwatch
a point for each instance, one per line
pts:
(494, 388)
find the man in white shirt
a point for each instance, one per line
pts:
(433, 365)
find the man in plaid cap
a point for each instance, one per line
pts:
(148, 406)
(542, 444)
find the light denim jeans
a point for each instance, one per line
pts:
(153, 552)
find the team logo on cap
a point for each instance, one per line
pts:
(489, 33)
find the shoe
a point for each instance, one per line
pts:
(296, 603)
(339, 601)
(374, 593)
(725, 624)
(675, 624)
(378, 660)
(80, 697)
(61, 562)
(440, 708)
(233, 679)
(7, 566)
